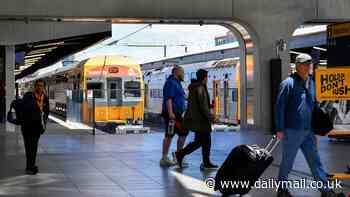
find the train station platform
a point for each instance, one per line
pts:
(75, 163)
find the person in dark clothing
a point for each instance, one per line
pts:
(198, 119)
(35, 116)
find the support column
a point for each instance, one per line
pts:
(2, 86)
(10, 81)
(262, 83)
(285, 57)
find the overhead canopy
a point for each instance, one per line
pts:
(31, 57)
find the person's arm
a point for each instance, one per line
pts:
(170, 109)
(46, 109)
(203, 101)
(282, 100)
(169, 95)
(316, 103)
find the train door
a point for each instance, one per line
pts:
(226, 100)
(146, 96)
(216, 97)
(114, 97)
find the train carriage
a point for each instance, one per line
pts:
(222, 86)
(115, 83)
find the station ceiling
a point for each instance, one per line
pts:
(31, 57)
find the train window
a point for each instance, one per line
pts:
(132, 89)
(234, 94)
(156, 93)
(193, 75)
(113, 86)
(97, 88)
(113, 90)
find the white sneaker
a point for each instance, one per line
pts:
(166, 162)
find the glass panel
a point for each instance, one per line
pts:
(113, 90)
(132, 89)
(97, 88)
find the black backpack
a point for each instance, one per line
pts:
(321, 122)
(15, 114)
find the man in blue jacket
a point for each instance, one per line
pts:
(295, 102)
(173, 108)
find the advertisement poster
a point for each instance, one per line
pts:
(333, 93)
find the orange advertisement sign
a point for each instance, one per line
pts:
(332, 84)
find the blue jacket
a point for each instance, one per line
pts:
(294, 104)
(173, 90)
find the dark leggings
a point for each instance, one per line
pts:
(31, 140)
(201, 139)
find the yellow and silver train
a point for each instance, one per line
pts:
(115, 84)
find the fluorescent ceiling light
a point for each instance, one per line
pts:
(294, 52)
(26, 63)
(38, 55)
(127, 21)
(35, 58)
(31, 61)
(310, 30)
(23, 67)
(319, 48)
(49, 44)
(42, 51)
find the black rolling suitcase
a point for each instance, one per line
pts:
(245, 163)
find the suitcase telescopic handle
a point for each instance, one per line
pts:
(273, 142)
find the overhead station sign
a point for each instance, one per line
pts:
(332, 84)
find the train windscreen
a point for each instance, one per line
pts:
(132, 89)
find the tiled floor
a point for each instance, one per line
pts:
(75, 163)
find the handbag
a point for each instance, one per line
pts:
(14, 115)
(12, 118)
(321, 122)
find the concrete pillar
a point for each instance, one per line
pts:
(10, 80)
(2, 84)
(265, 51)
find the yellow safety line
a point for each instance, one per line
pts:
(339, 133)
(340, 176)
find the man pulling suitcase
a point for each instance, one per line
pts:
(295, 103)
